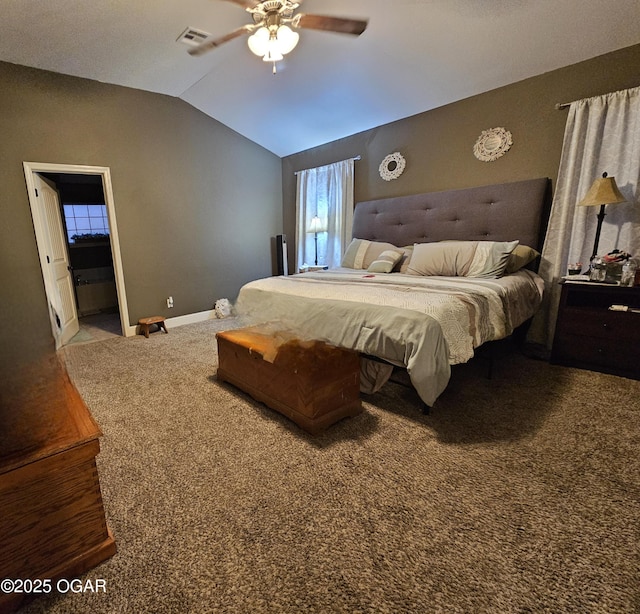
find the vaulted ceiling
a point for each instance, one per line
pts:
(414, 56)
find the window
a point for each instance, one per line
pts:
(325, 192)
(85, 219)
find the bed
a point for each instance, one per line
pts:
(427, 279)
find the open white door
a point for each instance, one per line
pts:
(54, 259)
(31, 173)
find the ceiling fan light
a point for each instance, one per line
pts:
(287, 39)
(259, 41)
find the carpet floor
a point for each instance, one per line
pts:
(516, 494)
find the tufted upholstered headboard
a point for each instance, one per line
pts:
(501, 212)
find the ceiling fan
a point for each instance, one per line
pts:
(273, 32)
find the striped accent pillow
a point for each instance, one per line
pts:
(385, 262)
(361, 253)
(491, 258)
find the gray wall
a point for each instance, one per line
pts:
(196, 203)
(438, 144)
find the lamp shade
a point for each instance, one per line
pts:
(258, 41)
(604, 191)
(316, 225)
(287, 39)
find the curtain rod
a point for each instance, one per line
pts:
(358, 157)
(564, 105)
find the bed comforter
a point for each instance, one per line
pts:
(425, 324)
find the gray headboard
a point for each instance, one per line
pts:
(501, 212)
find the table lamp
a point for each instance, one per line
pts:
(315, 227)
(604, 191)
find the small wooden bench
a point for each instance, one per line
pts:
(145, 323)
(310, 382)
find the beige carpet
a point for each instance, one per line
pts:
(518, 494)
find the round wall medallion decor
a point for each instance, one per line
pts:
(492, 144)
(392, 166)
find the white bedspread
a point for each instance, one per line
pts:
(422, 323)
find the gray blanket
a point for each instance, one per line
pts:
(400, 336)
(422, 323)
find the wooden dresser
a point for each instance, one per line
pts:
(52, 521)
(589, 335)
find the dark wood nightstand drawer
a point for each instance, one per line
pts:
(602, 354)
(602, 324)
(589, 335)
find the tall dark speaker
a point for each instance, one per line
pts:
(281, 254)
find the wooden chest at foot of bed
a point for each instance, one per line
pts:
(310, 382)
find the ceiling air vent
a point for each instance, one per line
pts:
(192, 37)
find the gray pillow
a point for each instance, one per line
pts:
(520, 257)
(403, 265)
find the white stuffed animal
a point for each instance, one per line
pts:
(222, 308)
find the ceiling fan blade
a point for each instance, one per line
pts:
(334, 24)
(246, 4)
(216, 42)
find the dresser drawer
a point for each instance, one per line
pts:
(598, 353)
(602, 324)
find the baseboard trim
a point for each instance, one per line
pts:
(192, 318)
(188, 318)
(130, 331)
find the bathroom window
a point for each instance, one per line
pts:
(85, 219)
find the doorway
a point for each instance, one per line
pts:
(90, 284)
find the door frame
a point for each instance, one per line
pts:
(30, 168)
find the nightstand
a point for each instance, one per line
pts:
(591, 336)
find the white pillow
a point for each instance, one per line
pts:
(461, 258)
(448, 258)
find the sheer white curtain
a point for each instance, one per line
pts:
(602, 134)
(325, 192)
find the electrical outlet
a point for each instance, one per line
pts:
(170, 302)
